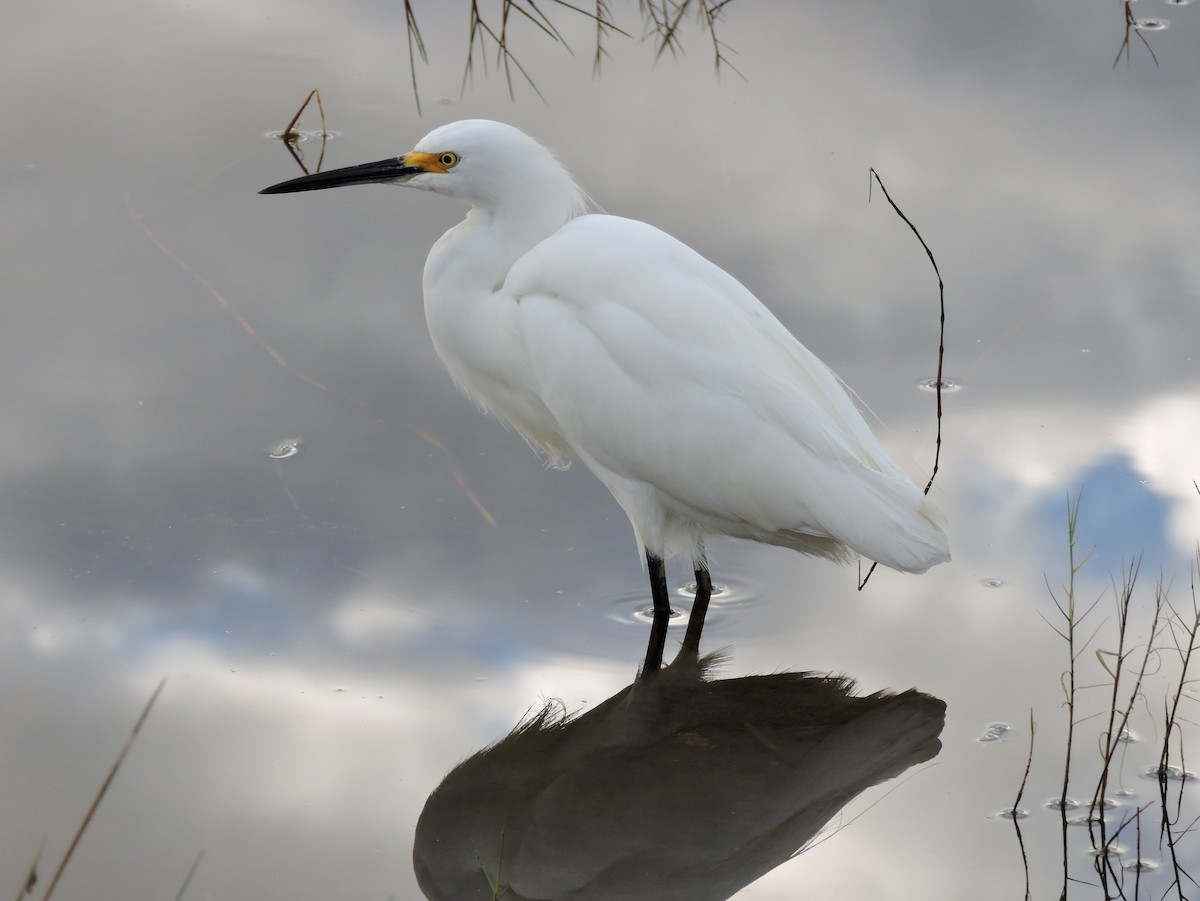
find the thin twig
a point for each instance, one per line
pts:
(456, 473)
(665, 23)
(603, 26)
(138, 219)
(662, 18)
(1069, 614)
(87, 817)
(941, 355)
(188, 878)
(289, 132)
(1169, 820)
(31, 877)
(1116, 729)
(480, 31)
(291, 135)
(1017, 804)
(1112, 733)
(493, 882)
(709, 12)
(1130, 25)
(413, 32)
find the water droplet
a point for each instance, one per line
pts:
(1127, 736)
(1177, 2)
(948, 385)
(991, 583)
(1109, 850)
(1090, 819)
(995, 731)
(1151, 24)
(285, 449)
(1013, 813)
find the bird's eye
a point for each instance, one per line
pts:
(448, 159)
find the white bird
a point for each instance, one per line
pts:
(606, 340)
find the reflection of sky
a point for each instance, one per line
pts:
(339, 627)
(1121, 517)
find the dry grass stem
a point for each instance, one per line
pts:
(1129, 668)
(1131, 26)
(31, 877)
(291, 135)
(188, 878)
(1016, 807)
(91, 811)
(489, 36)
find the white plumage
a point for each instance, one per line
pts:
(606, 340)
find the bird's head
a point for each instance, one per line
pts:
(486, 163)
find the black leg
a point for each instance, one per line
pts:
(691, 639)
(662, 614)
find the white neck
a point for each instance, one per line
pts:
(472, 322)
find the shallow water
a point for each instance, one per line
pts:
(233, 460)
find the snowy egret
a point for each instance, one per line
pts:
(606, 340)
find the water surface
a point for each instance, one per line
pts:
(232, 458)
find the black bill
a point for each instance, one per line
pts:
(364, 173)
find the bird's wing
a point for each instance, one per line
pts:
(665, 370)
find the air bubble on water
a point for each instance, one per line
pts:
(1062, 804)
(1170, 773)
(1139, 866)
(1013, 813)
(932, 384)
(646, 614)
(299, 137)
(285, 449)
(995, 731)
(689, 590)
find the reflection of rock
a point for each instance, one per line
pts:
(676, 787)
